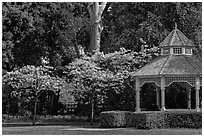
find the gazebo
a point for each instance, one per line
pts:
(175, 64)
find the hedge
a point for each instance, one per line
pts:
(183, 119)
(152, 119)
(115, 119)
(148, 120)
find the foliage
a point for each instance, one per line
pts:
(41, 119)
(115, 119)
(86, 76)
(148, 120)
(34, 30)
(35, 78)
(152, 120)
(126, 23)
(107, 77)
(29, 82)
(183, 119)
(122, 63)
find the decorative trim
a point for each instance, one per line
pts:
(179, 82)
(189, 80)
(150, 82)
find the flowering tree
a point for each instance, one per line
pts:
(37, 79)
(87, 79)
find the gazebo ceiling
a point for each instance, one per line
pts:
(171, 65)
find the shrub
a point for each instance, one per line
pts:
(152, 119)
(42, 119)
(115, 119)
(148, 120)
(183, 119)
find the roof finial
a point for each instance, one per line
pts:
(175, 25)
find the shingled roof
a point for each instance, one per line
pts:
(176, 38)
(171, 65)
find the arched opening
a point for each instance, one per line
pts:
(179, 95)
(148, 97)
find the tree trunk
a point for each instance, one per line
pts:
(92, 111)
(35, 110)
(96, 26)
(76, 49)
(51, 104)
(76, 45)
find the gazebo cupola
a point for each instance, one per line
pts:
(176, 43)
(176, 64)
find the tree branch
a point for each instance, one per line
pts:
(130, 86)
(89, 9)
(101, 8)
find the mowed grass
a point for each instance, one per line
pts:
(92, 130)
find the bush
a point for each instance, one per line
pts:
(183, 119)
(42, 119)
(148, 120)
(115, 119)
(152, 119)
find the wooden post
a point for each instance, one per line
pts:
(137, 96)
(162, 93)
(189, 97)
(158, 97)
(197, 88)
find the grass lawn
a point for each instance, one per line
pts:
(86, 129)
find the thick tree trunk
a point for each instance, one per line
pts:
(96, 26)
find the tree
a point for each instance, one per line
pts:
(96, 25)
(126, 23)
(33, 30)
(86, 79)
(37, 79)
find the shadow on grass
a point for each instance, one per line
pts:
(81, 124)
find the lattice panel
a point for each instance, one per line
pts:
(157, 81)
(169, 80)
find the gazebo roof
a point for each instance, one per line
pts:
(171, 65)
(176, 38)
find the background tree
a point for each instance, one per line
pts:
(35, 30)
(126, 23)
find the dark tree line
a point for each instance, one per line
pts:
(52, 30)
